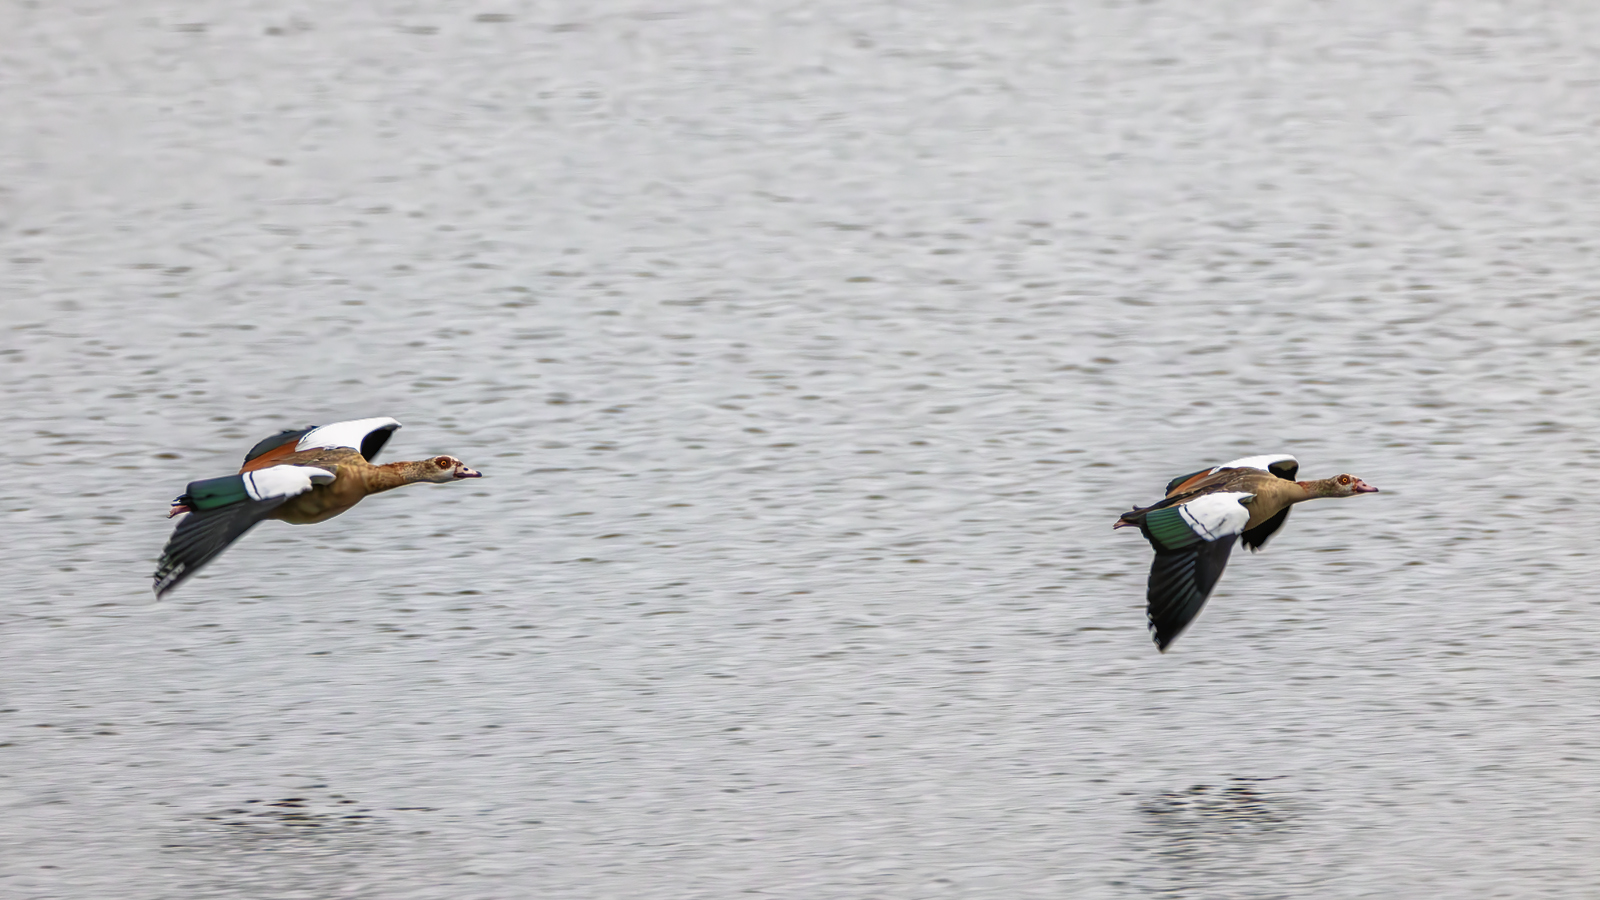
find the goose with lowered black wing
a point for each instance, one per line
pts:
(1193, 529)
(299, 477)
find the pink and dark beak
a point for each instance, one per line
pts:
(1361, 487)
(464, 472)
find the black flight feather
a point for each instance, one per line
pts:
(374, 441)
(1180, 582)
(272, 443)
(1255, 537)
(201, 535)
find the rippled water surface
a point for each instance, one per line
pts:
(809, 351)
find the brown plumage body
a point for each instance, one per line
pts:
(1272, 494)
(354, 478)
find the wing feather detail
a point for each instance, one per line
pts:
(1180, 583)
(203, 534)
(1280, 464)
(365, 436)
(222, 510)
(1256, 537)
(1181, 483)
(283, 481)
(1216, 515)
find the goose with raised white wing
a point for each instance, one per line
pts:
(299, 477)
(1193, 529)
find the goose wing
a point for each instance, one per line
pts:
(1257, 536)
(203, 534)
(1280, 464)
(1180, 582)
(1192, 540)
(365, 436)
(221, 510)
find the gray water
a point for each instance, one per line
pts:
(810, 351)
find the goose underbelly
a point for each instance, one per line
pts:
(317, 505)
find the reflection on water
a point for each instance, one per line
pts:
(276, 817)
(1239, 811)
(1208, 840)
(313, 843)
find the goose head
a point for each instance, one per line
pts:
(1349, 485)
(444, 469)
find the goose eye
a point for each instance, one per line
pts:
(1344, 479)
(443, 462)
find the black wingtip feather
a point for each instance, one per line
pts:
(1256, 537)
(200, 536)
(1180, 582)
(372, 444)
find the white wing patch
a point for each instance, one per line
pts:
(343, 434)
(283, 481)
(1217, 515)
(1258, 462)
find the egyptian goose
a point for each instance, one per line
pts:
(1193, 528)
(299, 477)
